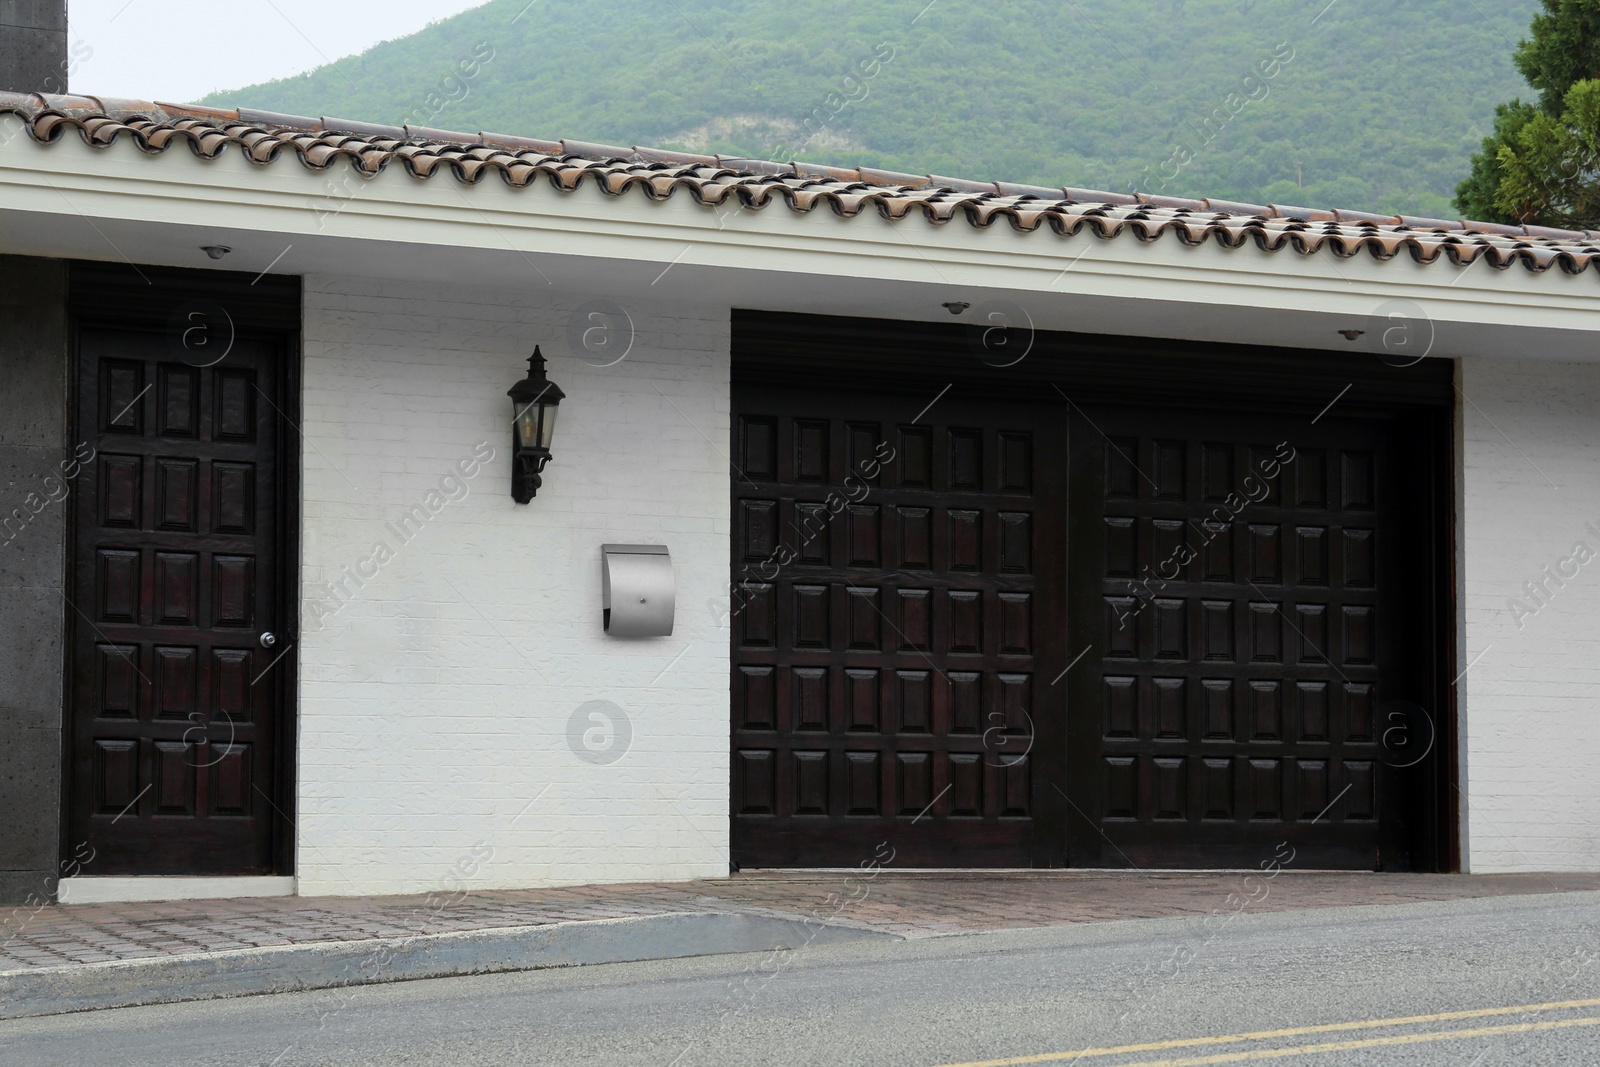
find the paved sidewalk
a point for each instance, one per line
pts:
(902, 903)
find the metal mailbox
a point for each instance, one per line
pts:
(637, 590)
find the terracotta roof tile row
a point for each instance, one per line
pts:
(320, 143)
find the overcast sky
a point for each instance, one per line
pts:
(180, 50)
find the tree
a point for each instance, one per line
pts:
(1541, 164)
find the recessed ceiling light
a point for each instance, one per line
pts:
(215, 251)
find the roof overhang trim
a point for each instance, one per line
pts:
(715, 182)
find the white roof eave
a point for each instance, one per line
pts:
(74, 201)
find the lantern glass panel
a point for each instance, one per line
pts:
(547, 425)
(527, 421)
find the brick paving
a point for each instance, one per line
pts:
(911, 904)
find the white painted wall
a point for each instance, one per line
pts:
(436, 694)
(1530, 492)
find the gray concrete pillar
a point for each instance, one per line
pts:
(33, 522)
(33, 46)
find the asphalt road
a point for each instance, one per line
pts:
(1471, 981)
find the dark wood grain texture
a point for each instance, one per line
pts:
(895, 582)
(1216, 715)
(180, 562)
(1247, 589)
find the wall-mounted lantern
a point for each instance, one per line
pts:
(533, 423)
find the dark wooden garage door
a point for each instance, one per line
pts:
(898, 591)
(1189, 671)
(177, 572)
(1240, 583)
(1245, 698)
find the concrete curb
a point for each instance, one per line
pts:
(332, 964)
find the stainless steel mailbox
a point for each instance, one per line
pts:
(637, 590)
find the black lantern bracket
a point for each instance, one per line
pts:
(527, 469)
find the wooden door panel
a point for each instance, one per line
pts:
(890, 578)
(1240, 586)
(175, 577)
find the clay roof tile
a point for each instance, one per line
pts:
(428, 153)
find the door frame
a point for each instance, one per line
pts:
(885, 355)
(268, 307)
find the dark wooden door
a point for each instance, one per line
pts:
(176, 577)
(1244, 592)
(898, 587)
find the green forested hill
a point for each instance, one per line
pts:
(1377, 104)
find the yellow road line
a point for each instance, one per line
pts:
(1364, 1042)
(1297, 1031)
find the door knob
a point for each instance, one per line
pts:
(268, 640)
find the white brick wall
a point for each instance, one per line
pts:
(435, 695)
(1530, 484)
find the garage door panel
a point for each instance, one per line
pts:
(896, 582)
(1237, 598)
